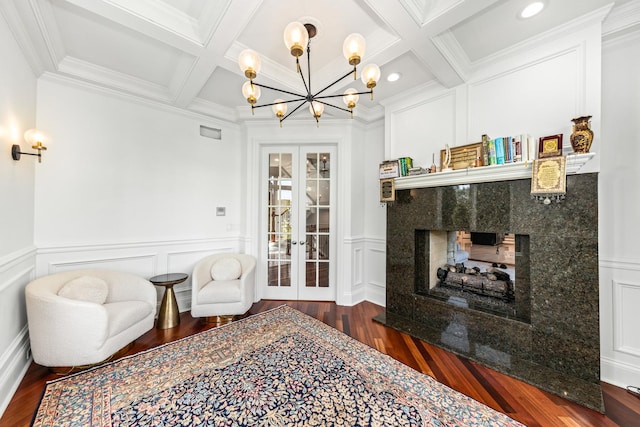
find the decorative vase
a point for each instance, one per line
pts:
(582, 135)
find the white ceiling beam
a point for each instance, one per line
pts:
(235, 18)
(437, 56)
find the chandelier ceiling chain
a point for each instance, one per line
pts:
(297, 35)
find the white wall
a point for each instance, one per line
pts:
(619, 207)
(17, 253)
(538, 88)
(375, 217)
(131, 185)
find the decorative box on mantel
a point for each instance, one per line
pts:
(506, 172)
(545, 329)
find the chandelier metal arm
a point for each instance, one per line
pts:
(294, 110)
(282, 102)
(336, 81)
(279, 90)
(335, 106)
(368, 92)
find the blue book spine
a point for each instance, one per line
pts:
(499, 151)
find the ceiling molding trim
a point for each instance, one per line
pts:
(416, 96)
(136, 99)
(284, 76)
(113, 79)
(183, 39)
(48, 27)
(21, 36)
(163, 15)
(455, 55)
(594, 17)
(212, 109)
(621, 20)
(210, 19)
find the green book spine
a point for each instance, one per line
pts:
(491, 148)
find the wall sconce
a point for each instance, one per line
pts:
(33, 137)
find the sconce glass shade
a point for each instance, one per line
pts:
(296, 38)
(316, 109)
(250, 63)
(353, 48)
(279, 108)
(35, 138)
(251, 92)
(350, 98)
(370, 75)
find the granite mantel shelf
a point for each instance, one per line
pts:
(520, 170)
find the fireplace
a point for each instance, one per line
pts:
(481, 276)
(548, 333)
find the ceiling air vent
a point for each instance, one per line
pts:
(212, 133)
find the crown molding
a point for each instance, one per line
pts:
(115, 80)
(212, 109)
(152, 103)
(454, 54)
(622, 20)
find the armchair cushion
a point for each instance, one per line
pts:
(226, 269)
(220, 291)
(85, 288)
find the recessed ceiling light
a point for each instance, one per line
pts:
(393, 77)
(532, 9)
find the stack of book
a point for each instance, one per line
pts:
(405, 163)
(507, 149)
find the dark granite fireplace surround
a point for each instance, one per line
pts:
(558, 349)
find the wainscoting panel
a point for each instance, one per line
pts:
(626, 300)
(619, 320)
(16, 271)
(375, 271)
(143, 259)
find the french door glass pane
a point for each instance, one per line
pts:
(279, 218)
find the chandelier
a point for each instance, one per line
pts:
(296, 36)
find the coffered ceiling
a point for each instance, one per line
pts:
(184, 52)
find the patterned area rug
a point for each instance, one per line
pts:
(278, 368)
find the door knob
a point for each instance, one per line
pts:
(293, 242)
(301, 242)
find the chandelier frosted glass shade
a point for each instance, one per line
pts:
(370, 76)
(251, 92)
(316, 109)
(353, 48)
(250, 63)
(350, 98)
(297, 38)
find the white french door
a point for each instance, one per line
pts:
(297, 222)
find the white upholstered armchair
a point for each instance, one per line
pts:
(223, 285)
(83, 317)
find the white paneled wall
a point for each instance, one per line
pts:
(619, 210)
(144, 259)
(16, 270)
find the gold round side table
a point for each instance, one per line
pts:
(169, 315)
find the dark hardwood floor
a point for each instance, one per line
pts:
(523, 402)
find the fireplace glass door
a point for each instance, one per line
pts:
(298, 223)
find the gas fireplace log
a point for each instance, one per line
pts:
(500, 274)
(479, 284)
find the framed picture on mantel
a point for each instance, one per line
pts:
(550, 146)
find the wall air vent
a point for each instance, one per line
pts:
(212, 133)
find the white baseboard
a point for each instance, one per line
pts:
(618, 373)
